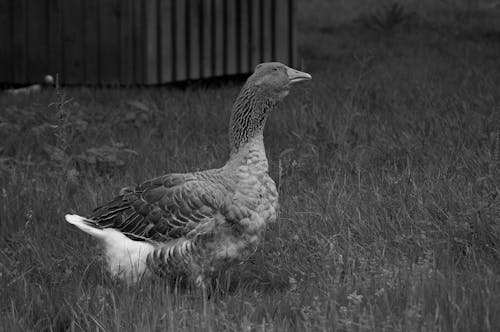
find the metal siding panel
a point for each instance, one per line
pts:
(91, 41)
(55, 38)
(194, 39)
(207, 38)
(282, 32)
(180, 41)
(19, 42)
(231, 51)
(73, 41)
(151, 40)
(6, 58)
(166, 42)
(138, 42)
(244, 36)
(255, 28)
(126, 50)
(294, 61)
(37, 66)
(219, 38)
(267, 32)
(109, 41)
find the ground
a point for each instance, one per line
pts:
(387, 165)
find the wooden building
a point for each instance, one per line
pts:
(127, 42)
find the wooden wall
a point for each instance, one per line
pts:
(141, 41)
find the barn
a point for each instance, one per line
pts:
(141, 42)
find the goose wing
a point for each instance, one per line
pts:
(163, 208)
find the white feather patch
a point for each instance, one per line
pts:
(126, 258)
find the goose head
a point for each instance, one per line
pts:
(268, 85)
(272, 80)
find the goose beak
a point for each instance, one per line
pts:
(295, 76)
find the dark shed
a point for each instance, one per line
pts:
(141, 41)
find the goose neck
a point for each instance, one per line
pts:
(248, 119)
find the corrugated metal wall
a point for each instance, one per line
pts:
(141, 41)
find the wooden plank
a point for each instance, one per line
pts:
(151, 40)
(73, 41)
(91, 41)
(181, 60)
(267, 32)
(282, 32)
(194, 39)
(218, 10)
(126, 50)
(255, 28)
(138, 42)
(244, 36)
(37, 66)
(19, 44)
(56, 63)
(231, 51)
(207, 39)
(166, 42)
(109, 45)
(6, 74)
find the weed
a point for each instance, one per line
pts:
(388, 17)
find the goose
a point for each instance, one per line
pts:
(197, 224)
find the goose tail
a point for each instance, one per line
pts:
(86, 225)
(126, 258)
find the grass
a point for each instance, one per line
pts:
(388, 171)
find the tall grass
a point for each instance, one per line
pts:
(388, 183)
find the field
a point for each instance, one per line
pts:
(388, 170)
